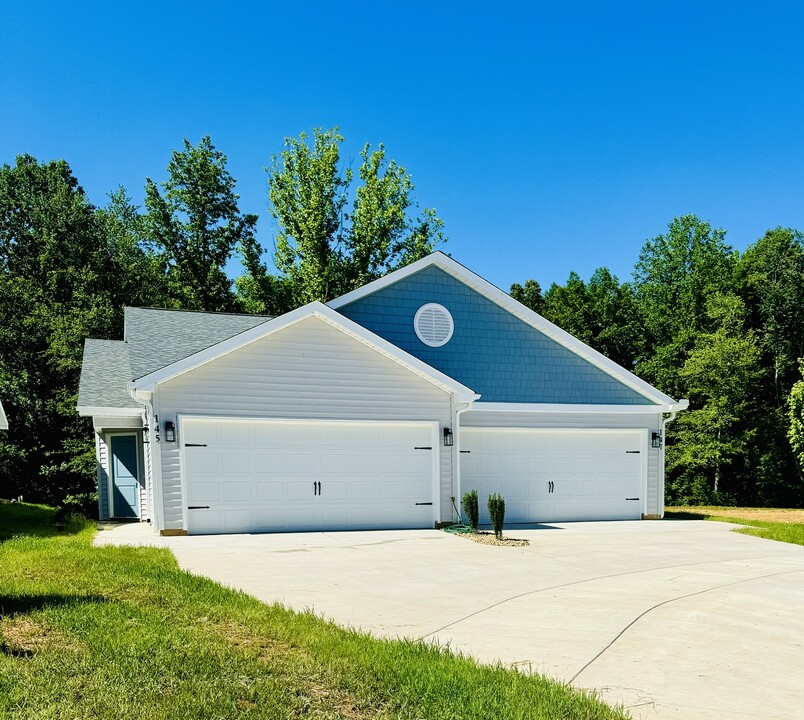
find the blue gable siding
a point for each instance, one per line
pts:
(491, 351)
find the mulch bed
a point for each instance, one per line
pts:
(487, 538)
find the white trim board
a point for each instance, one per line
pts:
(326, 314)
(578, 408)
(493, 293)
(96, 410)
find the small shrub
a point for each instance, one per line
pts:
(497, 514)
(85, 504)
(470, 507)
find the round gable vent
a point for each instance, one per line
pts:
(433, 324)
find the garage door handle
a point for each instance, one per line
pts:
(198, 507)
(424, 503)
(195, 444)
(632, 498)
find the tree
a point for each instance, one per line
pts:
(308, 192)
(673, 279)
(197, 227)
(258, 291)
(382, 237)
(530, 295)
(796, 415)
(717, 433)
(54, 292)
(602, 313)
(323, 246)
(771, 279)
(132, 259)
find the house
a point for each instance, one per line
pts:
(376, 410)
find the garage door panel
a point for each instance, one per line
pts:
(267, 435)
(299, 464)
(201, 492)
(332, 464)
(262, 476)
(516, 465)
(365, 464)
(298, 489)
(201, 463)
(362, 490)
(272, 463)
(236, 491)
(235, 462)
(271, 490)
(554, 475)
(299, 434)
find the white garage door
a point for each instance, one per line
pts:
(556, 475)
(263, 476)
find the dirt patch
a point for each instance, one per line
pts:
(22, 637)
(487, 538)
(784, 515)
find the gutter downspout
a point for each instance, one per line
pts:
(458, 412)
(674, 411)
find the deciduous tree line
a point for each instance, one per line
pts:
(702, 321)
(698, 320)
(68, 268)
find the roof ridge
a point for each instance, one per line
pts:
(197, 312)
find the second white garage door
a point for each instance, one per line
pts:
(556, 475)
(270, 475)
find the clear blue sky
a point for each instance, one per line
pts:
(550, 137)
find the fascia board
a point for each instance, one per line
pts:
(314, 309)
(94, 410)
(571, 408)
(528, 316)
(386, 280)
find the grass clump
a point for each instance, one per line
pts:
(782, 525)
(121, 632)
(471, 508)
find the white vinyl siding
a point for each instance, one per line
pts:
(102, 455)
(309, 370)
(608, 421)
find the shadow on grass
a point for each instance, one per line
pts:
(12, 605)
(683, 515)
(22, 519)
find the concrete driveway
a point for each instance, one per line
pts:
(672, 619)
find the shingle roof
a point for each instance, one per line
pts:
(105, 374)
(157, 338)
(154, 338)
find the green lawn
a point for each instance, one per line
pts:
(123, 633)
(773, 524)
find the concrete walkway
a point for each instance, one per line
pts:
(673, 619)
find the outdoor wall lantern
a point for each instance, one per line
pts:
(447, 437)
(170, 431)
(656, 439)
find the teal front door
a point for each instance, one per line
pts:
(125, 485)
